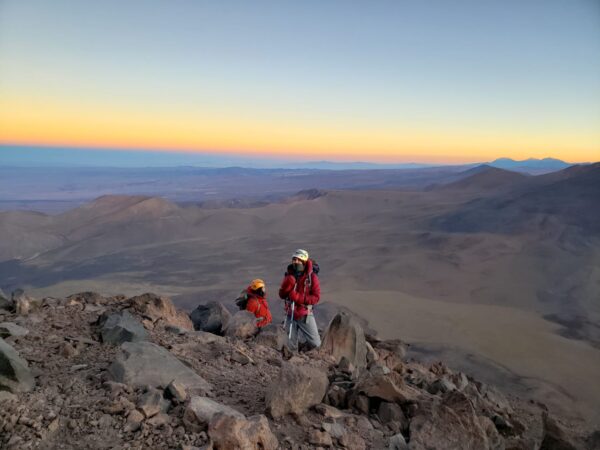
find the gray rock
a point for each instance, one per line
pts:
(242, 325)
(175, 330)
(371, 354)
(345, 338)
(6, 396)
(441, 386)
(134, 421)
(147, 364)
(397, 442)
(211, 317)
(200, 411)
(5, 302)
(391, 412)
(452, 423)
(117, 328)
(297, 389)
(272, 336)
(12, 329)
(15, 375)
(555, 437)
(152, 402)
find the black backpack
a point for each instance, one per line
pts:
(242, 301)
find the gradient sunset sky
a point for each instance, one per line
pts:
(389, 81)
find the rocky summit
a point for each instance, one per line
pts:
(89, 371)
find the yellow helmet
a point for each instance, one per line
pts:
(257, 284)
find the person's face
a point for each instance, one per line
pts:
(297, 261)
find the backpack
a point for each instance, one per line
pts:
(242, 301)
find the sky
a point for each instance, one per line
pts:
(386, 81)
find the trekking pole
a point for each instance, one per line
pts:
(292, 320)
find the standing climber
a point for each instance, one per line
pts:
(254, 299)
(301, 291)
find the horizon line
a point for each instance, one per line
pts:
(271, 157)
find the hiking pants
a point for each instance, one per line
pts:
(305, 330)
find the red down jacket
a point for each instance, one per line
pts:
(304, 290)
(258, 306)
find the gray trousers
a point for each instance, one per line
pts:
(304, 332)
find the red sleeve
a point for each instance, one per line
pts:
(314, 295)
(286, 286)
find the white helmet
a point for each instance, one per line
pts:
(302, 255)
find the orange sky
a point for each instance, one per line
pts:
(397, 82)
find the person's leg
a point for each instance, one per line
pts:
(293, 340)
(309, 331)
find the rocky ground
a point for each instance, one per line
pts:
(89, 371)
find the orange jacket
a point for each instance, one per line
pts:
(259, 307)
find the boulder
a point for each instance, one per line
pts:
(200, 411)
(297, 389)
(241, 325)
(12, 329)
(146, 364)
(22, 303)
(385, 387)
(5, 302)
(391, 412)
(345, 338)
(155, 308)
(320, 438)
(441, 386)
(88, 298)
(211, 317)
(397, 442)
(272, 336)
(452, 423)
(391, 354)
(555, 437)
(120, 327)
(15, 375)
(229, 432)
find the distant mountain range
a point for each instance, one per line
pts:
(531, 165)
(22, 156)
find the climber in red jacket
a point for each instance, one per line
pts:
(301, 290)
(255, 301)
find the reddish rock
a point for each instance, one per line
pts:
(155, 308)
(230, 432)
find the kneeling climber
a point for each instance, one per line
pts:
(254, 299)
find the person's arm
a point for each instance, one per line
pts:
(311, 297)
(287, 285)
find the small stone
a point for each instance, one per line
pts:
(53, 426)
(177, 391)
(105, 421)
(12, 329)
(158, 420)
(241, 358)
(317, 437)
(134, 421)
(152, 402)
